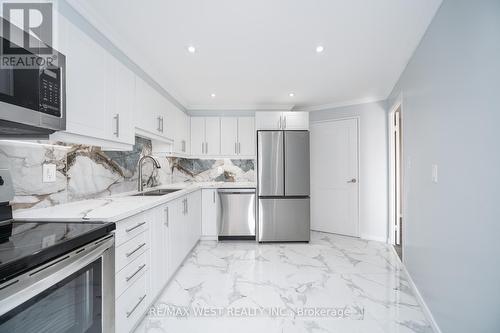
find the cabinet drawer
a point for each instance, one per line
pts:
(131, 305)
(131, 273)
(131, 227)
(128, 252)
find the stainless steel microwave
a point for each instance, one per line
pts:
(32, 100)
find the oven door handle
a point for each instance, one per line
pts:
(32, 283)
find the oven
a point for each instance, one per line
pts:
(71, 293)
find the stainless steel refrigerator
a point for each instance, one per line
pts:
(283, 186)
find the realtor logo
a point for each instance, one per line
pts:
(27, 31)
(35, 19)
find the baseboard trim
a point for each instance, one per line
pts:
(420, 299)
(374, 238)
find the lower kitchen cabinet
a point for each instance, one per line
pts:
(159, 263)
(210, 209)
(149, 248)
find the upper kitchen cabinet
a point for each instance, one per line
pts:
(281, 120)
(237, 136)
(181, 133)
(295, 120)
(205, 136)
(246, 136)
(120, 102)
(150, 112)
(99, 93)
(229, 136)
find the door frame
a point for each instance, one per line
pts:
(398, 104)
(358, 155)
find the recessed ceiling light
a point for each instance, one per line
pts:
(191, 49)
(320, 48)
(212, 95)
(291, 94)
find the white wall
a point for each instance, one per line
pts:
(373, 164)
(451, 111)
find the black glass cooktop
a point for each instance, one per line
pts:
(31, 244)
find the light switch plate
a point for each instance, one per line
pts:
(434, 173)
(49, 173)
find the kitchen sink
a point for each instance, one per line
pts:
(156, 193)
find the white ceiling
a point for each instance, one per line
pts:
(253, 53)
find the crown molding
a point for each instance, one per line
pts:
(340, 104)
(277, 107)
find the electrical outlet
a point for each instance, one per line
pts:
(49, 173)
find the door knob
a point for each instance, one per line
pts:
(352, 181)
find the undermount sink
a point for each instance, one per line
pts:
(155, 193)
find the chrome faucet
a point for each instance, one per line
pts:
(156, 164)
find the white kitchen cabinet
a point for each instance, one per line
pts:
(229, 136)
(194, 219)
(246, 136)
(281, 120)
(181, 132)
(120, 88)
(212, 136)
(197, 135)
(85, 87)
(268, 120)
(159, 246)
(210, 209)
(99, 93)
(149, 110)
(237, 136)
(295, 120)
(205, 136)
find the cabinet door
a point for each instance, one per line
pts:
(120, 102)
(144, 117)
(246, 136)
(209, 217)
(229, 136)
(197, 135)
(158, 249)
(295, 120)
(85, 89)
(212, 136)
(268, 120)
(194, 218)
(176, 233)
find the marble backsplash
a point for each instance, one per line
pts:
(85, 172)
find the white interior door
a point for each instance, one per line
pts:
(334, 177)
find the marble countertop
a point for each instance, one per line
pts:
(117, 207)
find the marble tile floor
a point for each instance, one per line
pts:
(332, 284)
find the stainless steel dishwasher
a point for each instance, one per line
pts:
(237, 214)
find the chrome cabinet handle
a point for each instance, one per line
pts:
(235, 148)
(203, 148)
(135, 227)
(353, 181)
(279, 123)
(284, 122)
(167, 217)
(117, 124)
(206, 147)
(159, 121)
(239, 147)
(128, 278)
(135, 250)
(213, 195)
(129, 313)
